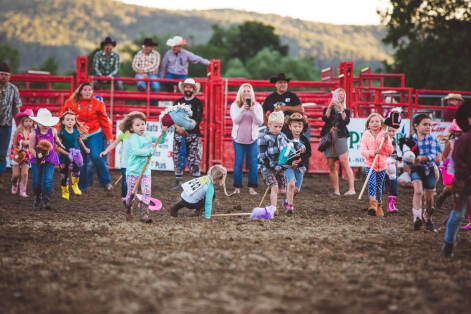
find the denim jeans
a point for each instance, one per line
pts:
(98, 84)
(251, 150)
(154, 86)
(124, 185)
(42, 178)
(5, 134)
(295, 175)
(95, 144)
(427, 181)
(170, 86)
(453, 223)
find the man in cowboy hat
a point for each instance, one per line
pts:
(192, 138)
(106, 63)
(10, 102)
(146, 65)
(281, 100)
(451, 100)
(175, 62)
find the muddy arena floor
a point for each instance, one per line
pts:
(330, 257)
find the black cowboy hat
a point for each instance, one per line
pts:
(462, 115)
(279, 77)
(108, 40)
(4, 67)
(149, 42)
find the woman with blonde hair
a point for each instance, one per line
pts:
(336, 117)
(247, 117)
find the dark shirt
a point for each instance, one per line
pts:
(461, 159)
(304, 156)
(449, 114)
(287, 99)
(335, 119)
(197, 107)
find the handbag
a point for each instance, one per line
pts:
(327, 140)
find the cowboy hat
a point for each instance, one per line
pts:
(149, 42)
(4, 67)
(454, 96)
(279, 77)
(462, 115)
(44, 117)
(189, 81)
(108, 40)
(296, 116)
(176, 41)
(22, 114)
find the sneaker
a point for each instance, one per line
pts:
(447, 249)
(289, 212)
(417, 218)
(285, 203)
(253, 192)
(37, 202)
(429, 226)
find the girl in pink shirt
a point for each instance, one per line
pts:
(370, 147)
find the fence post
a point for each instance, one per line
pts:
(215, 133)
(81, 69)
(346, 81)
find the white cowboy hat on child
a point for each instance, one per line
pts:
(44, 117)
(176, 41)
(189, 81)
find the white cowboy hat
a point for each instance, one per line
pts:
(454, 96)
(176, 41)
(44, 117)
(189, 81)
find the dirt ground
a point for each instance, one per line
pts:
(330, 257)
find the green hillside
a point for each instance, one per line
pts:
(67, 28)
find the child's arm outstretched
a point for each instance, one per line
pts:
(208, 202)
(110, 147)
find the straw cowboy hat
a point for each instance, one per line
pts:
(189, 81)
(108, 40)
(176, 41)
(149, 42)
(454, 96)
(296, 116)
(45, 118)
(22, 114)
(279, 77)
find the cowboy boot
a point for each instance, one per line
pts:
(75, 187)
(14, 186)
(391, 206)
(441, 198)
(37, 201)
(468, 226)
(428, 220)
(23, 190)
(145, 213)
(65, 192)
(379, 210)
(46, 202)
(417, 218)
(373, 208)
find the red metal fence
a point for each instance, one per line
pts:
(365, 93)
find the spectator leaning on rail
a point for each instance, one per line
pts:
(91, 113)
(106, 63)
(175, 62)
(10, 103)
(281, 100)
(187, 147)
(452, 100)
(146, 65)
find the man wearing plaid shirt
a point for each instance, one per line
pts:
(146, 65)
(106, 63)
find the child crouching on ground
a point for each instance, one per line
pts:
(198, 193)
(370, 147)
(298, 165)
(270, 144)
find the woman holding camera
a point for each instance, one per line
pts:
(247, 117)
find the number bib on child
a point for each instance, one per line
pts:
(195, 184)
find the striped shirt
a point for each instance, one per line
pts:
(9, 99)
(104, 65)
(149, 64)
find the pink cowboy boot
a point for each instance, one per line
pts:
(23, 190)
(391, 207)
(14, 187)
(468, 226)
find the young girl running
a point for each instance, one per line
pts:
(19, 154)
(370, 147)
(140, 147)
(70, 158)
(43, 157)
(422, 172)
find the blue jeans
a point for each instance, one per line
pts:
(95, 143)
(118, 84)
(170, 86)
(42, 178)
(428, 182)
(453, 223)
(5, 134)
(124, 185)
(154, 86)
(251, 150)
(296, 175)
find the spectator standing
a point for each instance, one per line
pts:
(146, 65)
(175, 62)
(452, 100)
(247, 117)
(106, 63)
(10, 103)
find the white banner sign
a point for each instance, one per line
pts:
(356, 128)
(163, 156)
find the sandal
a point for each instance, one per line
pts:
(253, 192)
(350, 193)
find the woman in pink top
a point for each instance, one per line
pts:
(370, 147)
(247, 117)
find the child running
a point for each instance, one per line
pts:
(44, 158)
(198, 193)
(294, 173)
(462, 179)
(423, 172)
(70, 157)
(20, 155)
(370, 147)
(140, 148)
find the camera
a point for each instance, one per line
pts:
(248, 101)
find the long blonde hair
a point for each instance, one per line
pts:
(335, 97)
(370, 117)
(218, 172)
(240, 94)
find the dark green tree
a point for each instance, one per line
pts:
(432, 42)
(50, 65)
(11, 56)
